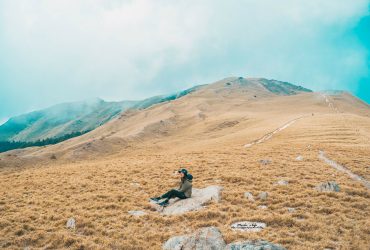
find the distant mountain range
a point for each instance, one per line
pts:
(67, 120)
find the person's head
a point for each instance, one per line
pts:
(183, 172)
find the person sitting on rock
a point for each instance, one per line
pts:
(183, 192)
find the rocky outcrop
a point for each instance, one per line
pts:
(199, 198)
(210, 238)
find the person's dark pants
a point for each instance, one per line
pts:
(173, 194)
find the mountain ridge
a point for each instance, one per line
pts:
(253, 90)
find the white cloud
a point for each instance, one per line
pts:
(69, 50)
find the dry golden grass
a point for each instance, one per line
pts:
(37, 200)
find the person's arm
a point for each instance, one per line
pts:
(185, 186)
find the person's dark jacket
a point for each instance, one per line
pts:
(186, 186)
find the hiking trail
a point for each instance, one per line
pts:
(269, 135)
(341, 168)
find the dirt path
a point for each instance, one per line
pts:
(269, 135)
(330, 103)
(341, 168)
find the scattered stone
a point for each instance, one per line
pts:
(248, 226)
(291, 209)
(330, 186)
(265, 162)
(254, 245)
(204, 238)
(249, 196)
(135, 184)
(136, 212)
(71, 223)
(262, 207)
(263, 196)
(299, 158)
(199, 198)
(282, 182)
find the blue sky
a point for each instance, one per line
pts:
(70, 50)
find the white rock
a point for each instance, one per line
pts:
(197, 201)
(299, 158)
(249, 196)
(282, 182)
(135, 184)
(71, 223)
(291, 209)
(263, 196)
(136, 212)
(262, 207)
(265, 161)
(248, 226)
(204, 238)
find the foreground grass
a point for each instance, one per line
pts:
(36, 202)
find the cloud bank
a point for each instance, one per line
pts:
(64, 50)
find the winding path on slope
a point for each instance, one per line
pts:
(343, 169)
(330, 103)
(269, 135)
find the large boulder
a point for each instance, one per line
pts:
(330, 186)
(199, 198)
(210, 238)
(254, 245)
(204, 238)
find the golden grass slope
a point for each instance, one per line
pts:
(97, 178)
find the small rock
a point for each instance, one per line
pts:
(136, 212)
(71, 223)
(262, 207)
(291, 209)
(265, 162)
(248, 226)
(204, 238)
(135, 184)
(249, 196)
(263, 196)
(330, 186)
(299, 158)
(282, 182)
(254, 245)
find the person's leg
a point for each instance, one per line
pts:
(170, 194)
(173, 194)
